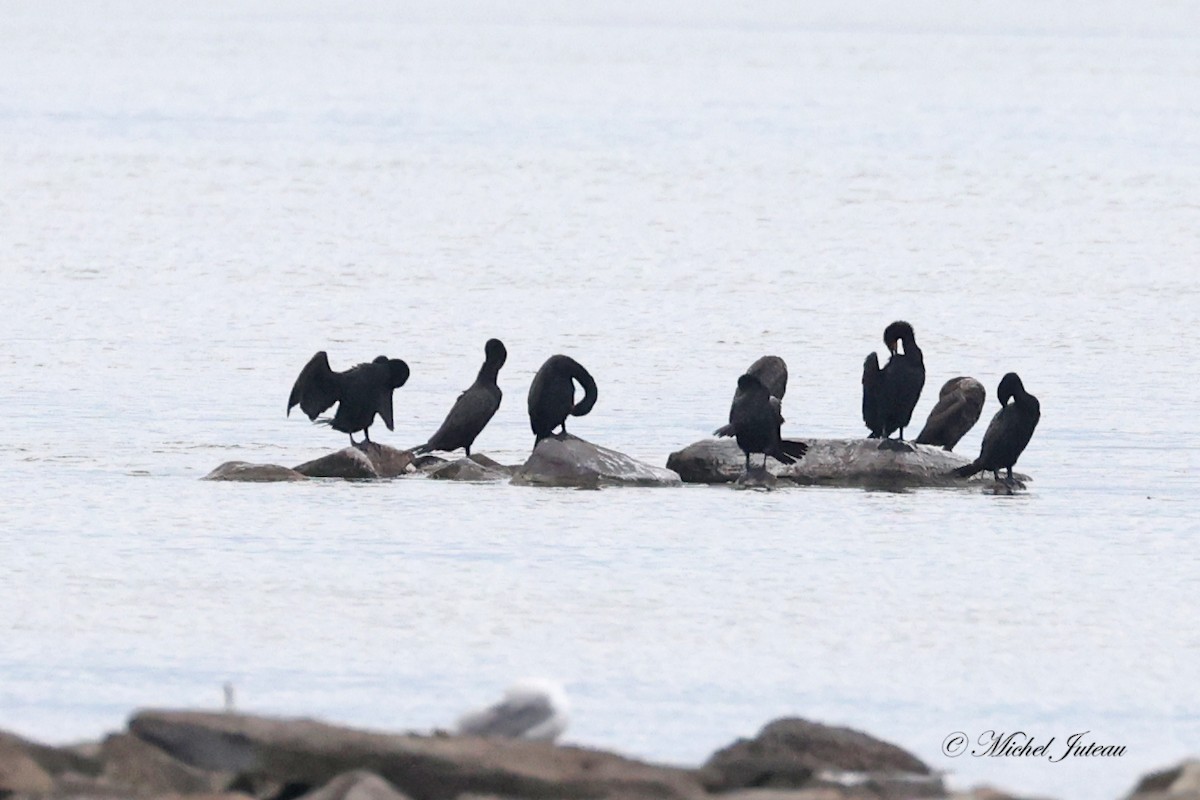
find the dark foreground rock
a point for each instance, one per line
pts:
(832, 462)
(253, 473)
(307, 754)
(571, 461)
(797, 753)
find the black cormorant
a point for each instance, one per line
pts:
(361, 392)
(474, 408)
(960, 402)
(1009, 432)
(755, 418)
(771, 371)
(552, 395)
(890, 394)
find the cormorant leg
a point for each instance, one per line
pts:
(996, 475)
(366, 435)
(468, 449)
(1010, 477)
(747, 462)
(352, 442)
(900, 437)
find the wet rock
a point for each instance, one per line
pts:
(361, 462)
(356, 785)
(254, 473)
(832, 462)
(571, 461)
(305, 754)
(1181, 782)
(790, 753)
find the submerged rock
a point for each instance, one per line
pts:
(574, 462)
(475, 468)
(832, 462)
(253, 473)
(360, 462)
(304, 755)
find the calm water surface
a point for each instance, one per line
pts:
(195, 199)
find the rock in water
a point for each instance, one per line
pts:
(574, 462)
(467, 469)
(253, 473)
(831, 462)
(362, 462)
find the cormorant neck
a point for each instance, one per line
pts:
(490, 371)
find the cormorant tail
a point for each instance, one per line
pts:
(421, 449)
(725, 430)
(968, 470)
(797, 449)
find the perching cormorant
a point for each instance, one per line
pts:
(872, 379)
(474, 408)
(361, 392)
(959, 405)
(1009, 432)
(772, 372)
(552, 395)
(755, 418)
(891, 393)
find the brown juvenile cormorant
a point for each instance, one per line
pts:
(755, 418)
(361, 392)
(552, 395)
(1009, 432)
(960, 402)
(474, 408)
(890, 394)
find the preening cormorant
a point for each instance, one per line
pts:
(960, 402)
(890, 394)
(474, 408)
(1009, 432)
(755, 418)
(552, 395)
(771, 371)
(361, 392)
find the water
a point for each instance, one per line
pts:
(198, 198)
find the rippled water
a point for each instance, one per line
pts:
(196, 198)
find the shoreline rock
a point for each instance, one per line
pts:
(833, 462)
(203, 755)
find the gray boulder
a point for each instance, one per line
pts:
(253, 473)
(571, 461)
(469, 469)
(796, 754)
(361, 462)
(131, 762)
(300, 753)
(832, 462)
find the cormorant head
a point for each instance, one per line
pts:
(1010, 385)
(495, 352)
(397, 372)
(749, 382)
(896, 332)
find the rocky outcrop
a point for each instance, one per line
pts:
(832, 462)
(304, 753)
(797, 754)
(574, 462)
(253, 473)
(361, 462)
(1180, 782)
(356, 785)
